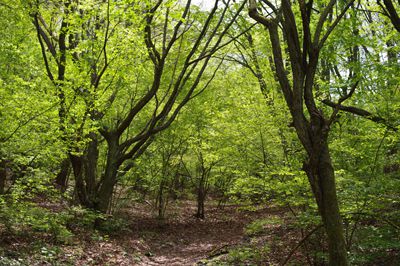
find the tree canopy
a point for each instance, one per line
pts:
(288, 105)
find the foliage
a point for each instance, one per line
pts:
(244, 255)
(152, 103)
(257, 227)
(374, 242)
(24, 219)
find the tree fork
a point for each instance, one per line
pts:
(312, 132)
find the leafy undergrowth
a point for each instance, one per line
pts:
(232, 235)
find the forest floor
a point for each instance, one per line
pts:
(185, 240)
(180, 239)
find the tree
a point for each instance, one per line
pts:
(27, 117)
(389, 9)
(312, 125)
(124, 92)
(204, 162)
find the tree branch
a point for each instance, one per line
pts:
(362, 113)
(334, 24)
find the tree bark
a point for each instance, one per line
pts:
(93, 192)
(322, 181)
(391, 12)
(201, 194)
(108, 181)
(62, 177)
(91, 165)
(200, 204)
(161, 200)
(76, 162)
(3, 175)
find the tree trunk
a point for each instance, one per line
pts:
(173, 191)
(3, 176)
(80, 188)
(322, 180)
(160, 200)
(108, 181)
(200, 206)
(313, 131)
(90, 163)
(93, 194)
(85, 171)
(200, 198)
(62, 177)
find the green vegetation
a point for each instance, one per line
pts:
(259, 226)
(249, 132)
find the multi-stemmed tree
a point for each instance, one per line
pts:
(122, 72)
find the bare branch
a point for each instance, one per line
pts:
(152, 50)
(253, 13)
(43, 49)
(104, 49)
(341, 100)
(362, 113)
(334, 24)
(391, 13)
(321, 21)
(213, 51)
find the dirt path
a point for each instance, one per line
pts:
(183, 239)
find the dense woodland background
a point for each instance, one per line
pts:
(258, 132)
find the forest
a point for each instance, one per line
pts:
(199, 132)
